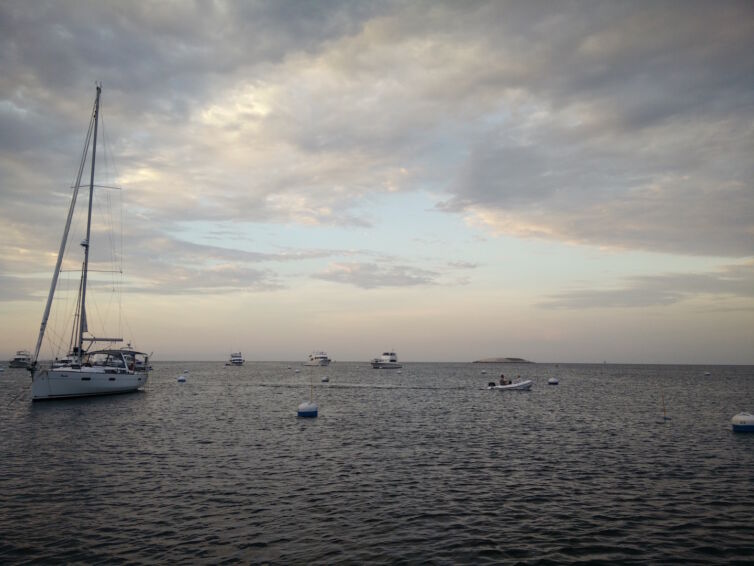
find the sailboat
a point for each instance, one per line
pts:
(85, 371)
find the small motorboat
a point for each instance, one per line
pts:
(516, 385)
(553, 381)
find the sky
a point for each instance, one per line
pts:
(562, 181)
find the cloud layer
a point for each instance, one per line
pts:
(609, 124)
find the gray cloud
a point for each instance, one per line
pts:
(631, 132)
(462, 265)
(734, 282)
(609, 123)
(372, 275)
(20, 288)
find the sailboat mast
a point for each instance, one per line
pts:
(82, 312)
(63, 242)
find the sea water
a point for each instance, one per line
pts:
(426, 465)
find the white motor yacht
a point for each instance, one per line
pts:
(388, 360)
(236, 359)
(22, 359)
(318, 359)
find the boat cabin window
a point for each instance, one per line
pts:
(106, 359)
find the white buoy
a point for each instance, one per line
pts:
(484, 372)
(399, 371)
(298, 371)
(307, 409)
(552, 381)
(743, 422)
(325, 379)
(181, 379)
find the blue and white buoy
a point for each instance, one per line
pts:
(308, 409)
(552, 381)
(181, 379)
(743, 422)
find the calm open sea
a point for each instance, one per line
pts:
(425, 466)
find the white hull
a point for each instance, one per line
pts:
(318, 363)
(519, 385)
(388, 360)
(386, 365)
(67, 382)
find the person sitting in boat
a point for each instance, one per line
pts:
(504, 381)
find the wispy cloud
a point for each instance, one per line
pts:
(735, 282)
(372, 275)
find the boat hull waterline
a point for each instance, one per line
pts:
(68, 382)
(518, 386)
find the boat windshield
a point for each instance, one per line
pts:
(107, 359)
(130, 359)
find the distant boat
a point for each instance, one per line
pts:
(388, 360)
(236, 359)
(318, 359)
(515, 386)
(503, 361)
(22, 359)
(85, 372)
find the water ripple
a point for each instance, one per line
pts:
(423, 466)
